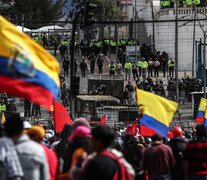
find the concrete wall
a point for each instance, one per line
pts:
(165, 32)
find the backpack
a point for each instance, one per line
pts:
(125, 171)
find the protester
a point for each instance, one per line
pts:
(67, 159)
(10, 166)
(80, 147)
(103, 166)
(195, 155)
(178, 145)
(158, 159)
(133, 152)
(31, 154)
(62, 146)
(37, 134)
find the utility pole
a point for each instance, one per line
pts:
(176, 47)
(72, 49)
(204, 63)
(135, 30)
(194, 29)
(127, 18)
(153, 25)
(116, 30)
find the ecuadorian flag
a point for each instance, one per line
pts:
(201, 111)
(157, 111)
(205, 118)
(26, 69)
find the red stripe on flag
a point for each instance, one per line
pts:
(145, 131)
(26, 90)
(199, 120)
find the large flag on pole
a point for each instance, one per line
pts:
(61, 117)
(158, 112)
(201, 111)
(26, 69)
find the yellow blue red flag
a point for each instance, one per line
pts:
(157, 111)
(205, 118)
(26, 69)
(201, 111)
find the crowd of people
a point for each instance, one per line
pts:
(100, 152)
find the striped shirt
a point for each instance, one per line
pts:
(9, 158)
(158, 160)
(196, 156)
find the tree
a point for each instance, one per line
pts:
(5, 5)
(36, 11)
(106, 11)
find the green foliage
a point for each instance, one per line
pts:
(5, 5)
(36, 10)
(106, 10)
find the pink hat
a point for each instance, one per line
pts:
(80, 131)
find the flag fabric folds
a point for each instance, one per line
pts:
(205, 118)
(61, 117)
(201, 111)
(146, 131)
(132, 129)
(158, 112)
(103, 120)
(26, 69)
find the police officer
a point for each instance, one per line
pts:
(92, 60)
(181, 88)
(2, 106)
(139, 66)
(83, 67)
(150, 67)
(156, 67)
(112, 68)
(171, 65)
(100, 64)
(66, 65)
(144, 66)
(134, 71)
(128, 68)
(171, 89)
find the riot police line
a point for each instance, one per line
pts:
(186, 85)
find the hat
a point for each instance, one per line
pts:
(80, 122)
(80, 131)
(36, 130)
(26, 125)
